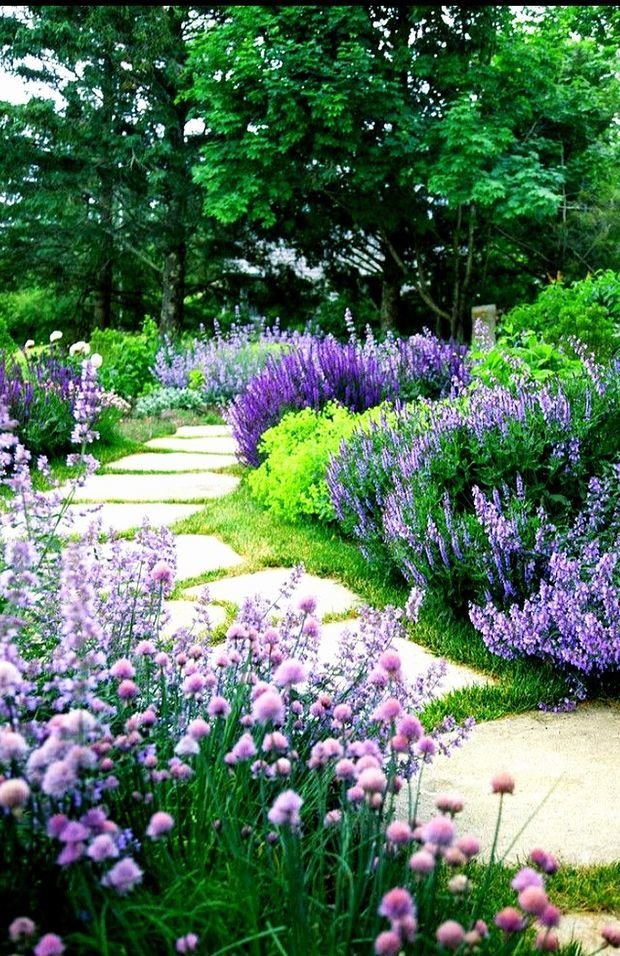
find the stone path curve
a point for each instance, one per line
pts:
(566, 766)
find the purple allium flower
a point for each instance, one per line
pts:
(503, 783)
(285, 810)
(510, 920)
(526, 877)
(70, 853)
(426, 747)
(550, 916)
(440, 831)
(307, 604)
(12, 746)
(122, 669)
(123, 876)
(60, 777)
(14, 793)
(290, 672)
(388, 943)
(74, 832)
(49, 945)
(450, 934)
(268, 707)
(187, 943)
(160, 824)
(533, 899)
(21, 928)
(397, 904)
(546, 861)
(218, 707)
(102, 847)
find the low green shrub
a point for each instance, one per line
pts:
(588, 310)
(128, 358)
(165, 399)
(528, 358)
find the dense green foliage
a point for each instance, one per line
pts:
(127, 358)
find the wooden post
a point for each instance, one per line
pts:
(483, 322)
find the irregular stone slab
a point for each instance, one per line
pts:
(156, 487)
(123, 517)
(577, 753)
(182, 614)
(215, 445)
(416, 660)
(177, 462)
(199, 553)
(332, 598)
(585, 928)
(202, 431)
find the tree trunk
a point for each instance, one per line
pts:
(102, 306)
(173, 291)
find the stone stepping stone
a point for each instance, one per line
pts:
(182, 615)
(578, 753)
(202, 431)
(200, 553)
(177, 462)
(209, 445)
(416, 660)
(585, 928)
(332, 598)
(156, 487)
(122, 517)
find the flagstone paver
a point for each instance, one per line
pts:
(199, 553)
(122, 517)
(177, 487)
(576, 753)
(415, 659)
(177, 462)
(332, 598)
(202, 431)
(182, 614)
(215, 445)
(585, 928)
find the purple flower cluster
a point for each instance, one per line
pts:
(358, 374)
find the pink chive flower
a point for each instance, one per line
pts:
(123, 876)
(60, 777)
(502, 783)
(161, 573)
(21, 928)
(533, 899)
(397, 904)
(187, 943)
(285, 810)
(526, 877)
(218, 707)
(355, 794)
(14, 793)
(510, 920)
(160, 824)
(389, 710)
(198, 728)
(244, 749)
(611, 935)
(49, 945)
(546, 861)
(449, 803)
(290, 672)
(102, 847)
(410, 727)
(372, 780)
(550, 916)
(547, 942)
(422, 862)
(390, 662)
(74, 832)
(398, 832)
(122, 669)
(440, 831)
(127, 690)
(307, 604)
(268, 707)
(450, 934)
(468, 845)
(194, 684)
(426, 747)
(332, 818)
(388, 943)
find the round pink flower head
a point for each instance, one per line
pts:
(449, 803)
(469, 845)
(388, 943)
(14, 794)
(450, 934)
(426, 747)
(218, 707)
(307, 604)
(123, 876)
(546, 861)
(49, 945)
(187, 943)
(21, 928)
(397, 904)
(198, 728)
(127, 690)
(122, 668)
(285, 810)
(372, 780)
(510, 920)
(611, 935)
(342, 713)
(161, 573)
(410, 727)
(422, 862)
(546, 942)
(526, 877)
(503, 783)
(533, 899)
(399, 833)
(268, 707)
(160, 824)
(550, 916)
(390, 662)
(440, 831)
(389, 710)
(103, 847)
(290, 672)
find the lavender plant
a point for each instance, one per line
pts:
(171, 794)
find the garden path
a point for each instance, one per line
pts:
(565, 765)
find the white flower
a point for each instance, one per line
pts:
(55, 336)
(79, 348)
(29, 344)
(96, 360)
